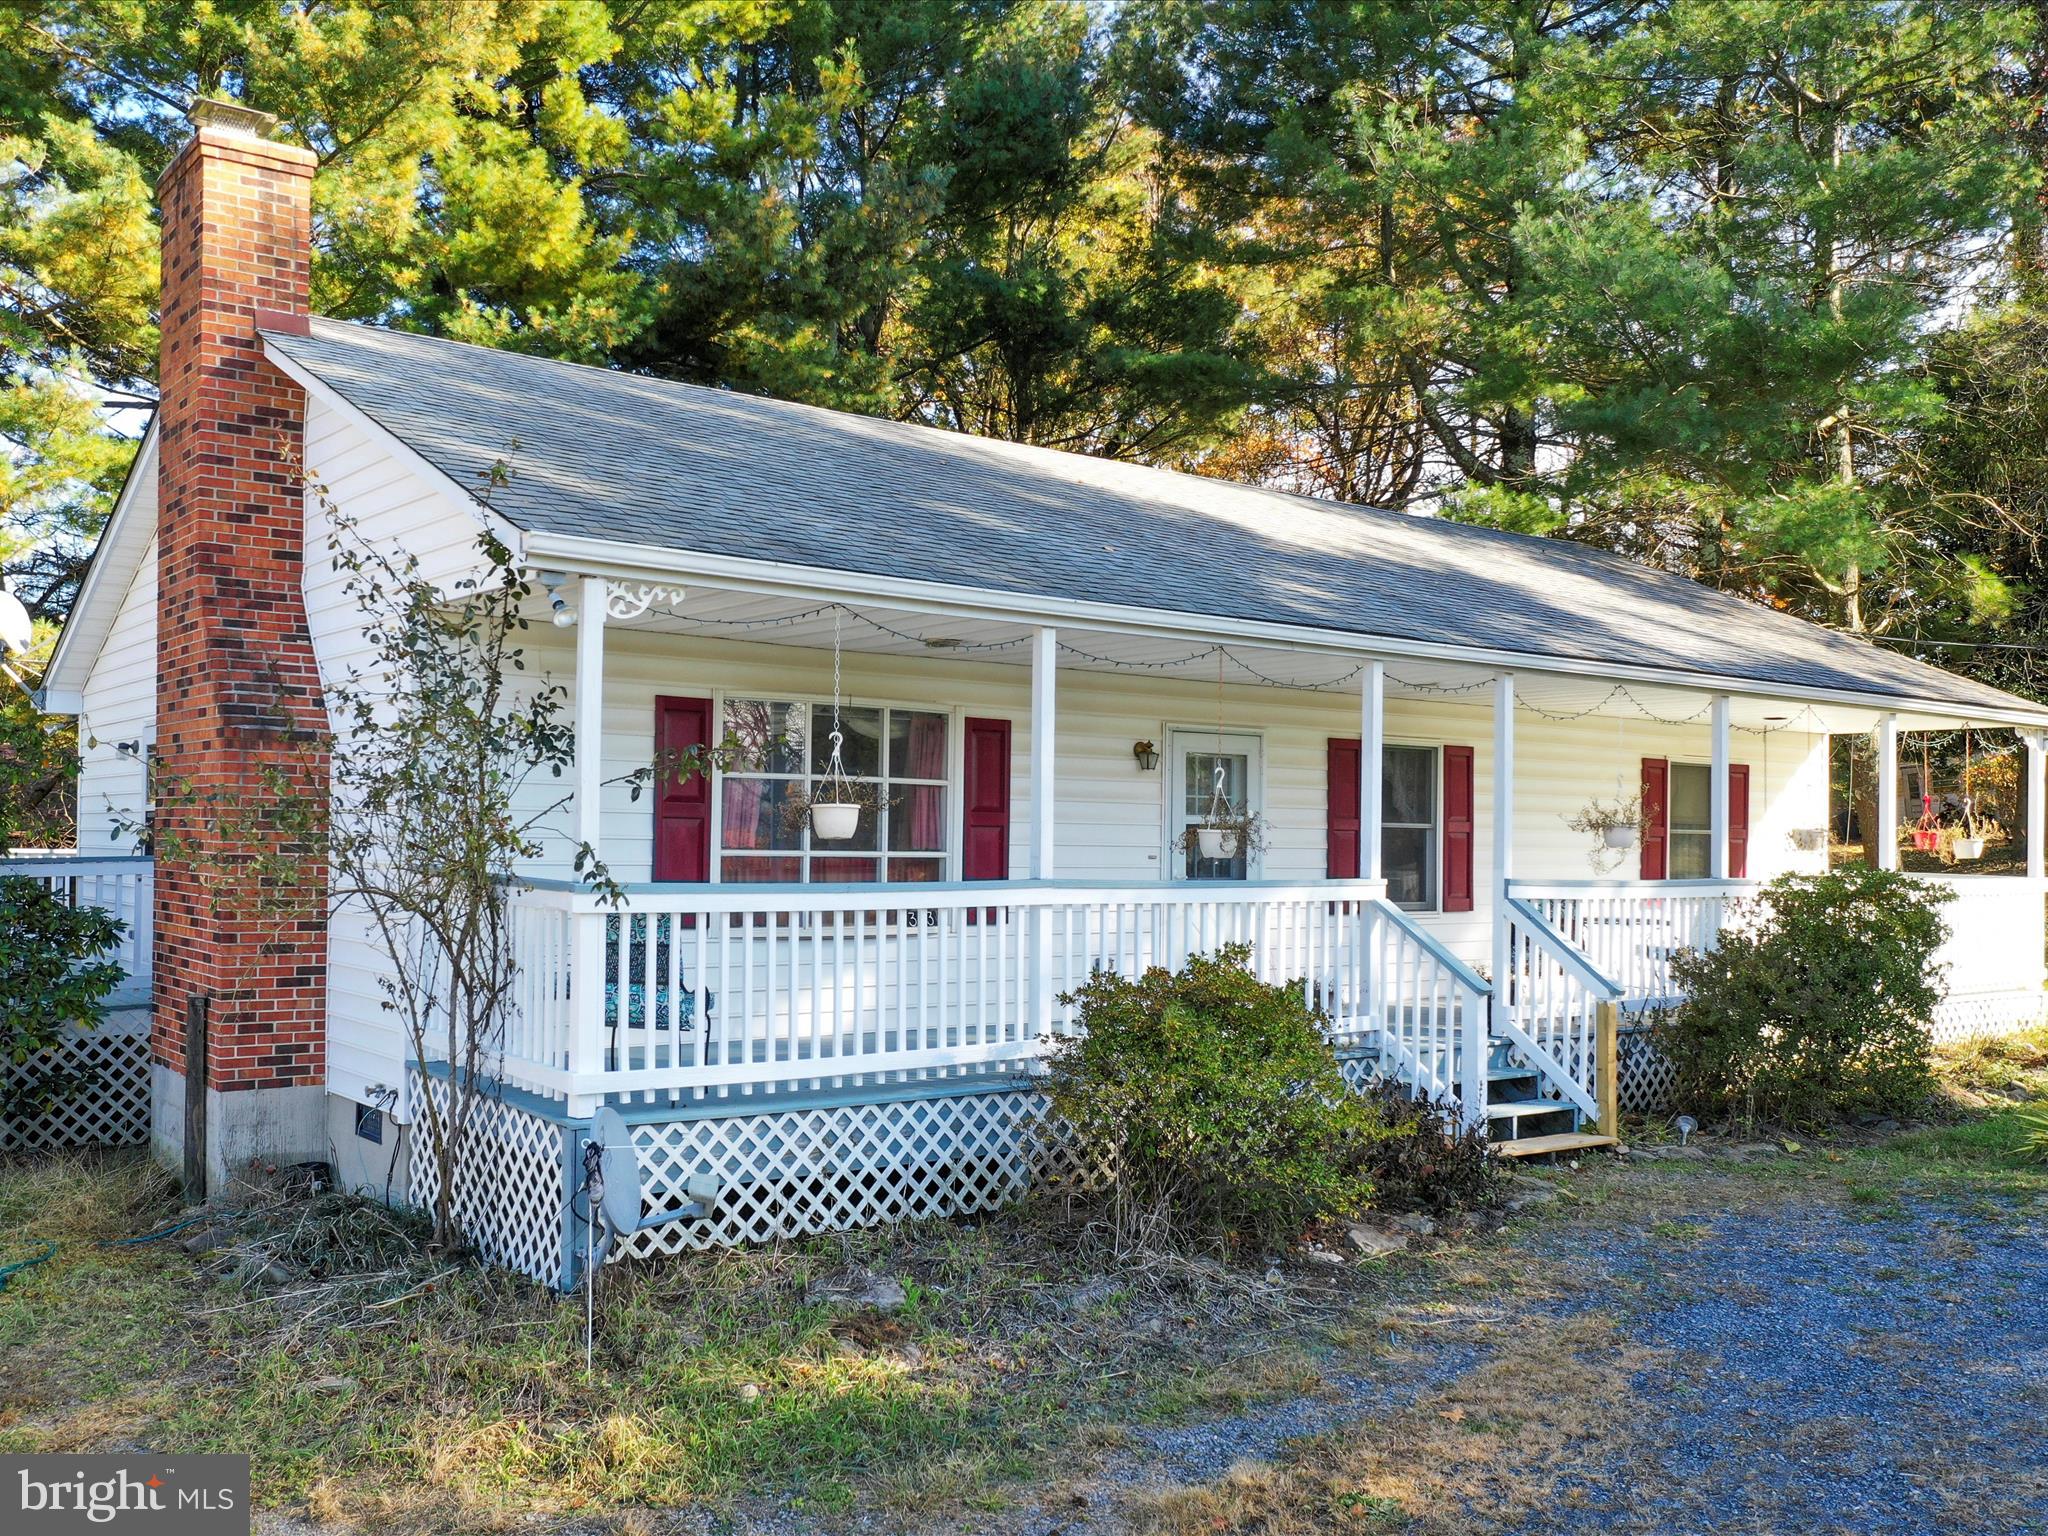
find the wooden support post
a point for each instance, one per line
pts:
(1608, 1088)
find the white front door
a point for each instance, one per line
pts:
(1197, 758)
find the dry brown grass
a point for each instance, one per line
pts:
(1499, 1438)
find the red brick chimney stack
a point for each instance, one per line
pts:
(237, 682)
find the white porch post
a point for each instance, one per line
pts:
(1888, 792)
(1372, 735)
(586, 932)
(1503, 827)
(2037, 803)
(1717, 819)
(1045, 645)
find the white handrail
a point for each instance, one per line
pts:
(1430, 1010)
(1548, 1006)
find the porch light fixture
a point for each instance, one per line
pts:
(1146, 754)
(554, 581)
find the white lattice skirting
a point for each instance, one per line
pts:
(512, 1192)
(785, 1172)
(112, 1110)
(1967, 1015)
(1646, 1076)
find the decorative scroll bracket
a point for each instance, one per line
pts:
(629, 602)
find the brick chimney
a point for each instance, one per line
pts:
(239, 1034)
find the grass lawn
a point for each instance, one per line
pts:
(1029, 1382)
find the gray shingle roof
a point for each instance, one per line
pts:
(650, 462)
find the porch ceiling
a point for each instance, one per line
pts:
(808, 623)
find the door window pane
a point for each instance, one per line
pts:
(1200, 759)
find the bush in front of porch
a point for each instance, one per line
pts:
(1217, 1104)
(1814, 1005)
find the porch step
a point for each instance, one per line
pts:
(1564, 1141)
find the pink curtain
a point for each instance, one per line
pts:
(927, 760)
(743, 813)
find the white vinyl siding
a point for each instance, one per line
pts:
(117, 721)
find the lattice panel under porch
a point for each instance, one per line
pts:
(509, 1200)
(834, 1168)
(113, 1108)
(1967, 1015)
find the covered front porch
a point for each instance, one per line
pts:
(1440, 910)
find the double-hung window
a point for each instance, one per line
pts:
(900, 756)
(1690, 825)
(1408, 826)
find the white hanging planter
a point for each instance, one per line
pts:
(1619, 837)
(834, 821)
(1216, 842)
(1968, 847)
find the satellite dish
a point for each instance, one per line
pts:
(17, 629)
(619, 1193)
(620, 1196)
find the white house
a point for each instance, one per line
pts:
(1045, 661)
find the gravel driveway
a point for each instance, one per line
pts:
(1831, 1368)
(1752, 1357)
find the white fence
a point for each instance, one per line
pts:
(119, 885)
(690, 990)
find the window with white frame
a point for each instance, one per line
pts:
(1690, 821)
(784, 747)
(1408, 825)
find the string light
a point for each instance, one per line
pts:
(1221, 653)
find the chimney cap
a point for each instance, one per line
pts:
(213, 112)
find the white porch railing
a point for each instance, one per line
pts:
(1428, 1009)
(119, 884)
(1630, 929)
(1548, 1006)
(696, 989)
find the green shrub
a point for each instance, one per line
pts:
(1217, 1102)
(1430, 1159)
(54, 971)
(1815, 1003)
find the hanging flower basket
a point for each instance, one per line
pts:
(1619, 837)
(1927, 839)
(834, 821)
(1968, 847)
(1216, 842)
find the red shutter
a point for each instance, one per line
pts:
(682, 809)
(1343, 823)
(985, 845)
(1457, 829)
(1656, 817)
(1738, 821)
